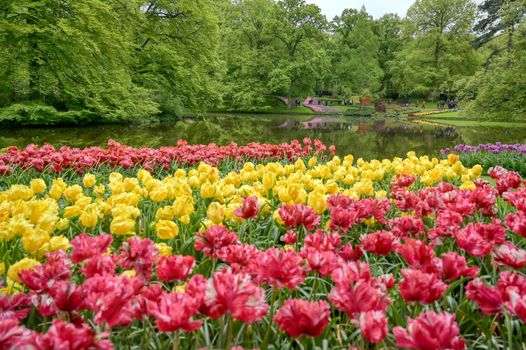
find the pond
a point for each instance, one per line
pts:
(368, 138)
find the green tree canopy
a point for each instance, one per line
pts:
(355, 53)
(437, 50)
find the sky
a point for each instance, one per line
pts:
(376, 8)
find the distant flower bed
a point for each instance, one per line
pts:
(425, 122)
(426, 113)
(417, 253)
(510, 156)
(494, 148)
(48, 158)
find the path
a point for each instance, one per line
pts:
(283, 99)
(319, 108)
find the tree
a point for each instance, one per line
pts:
(298, 27)
(355, 54)
(388, 30)
(177, 54)
(248, 49)
(67, 56)
(437, 51)
(499, 90)
(498, 21)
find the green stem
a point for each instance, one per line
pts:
(176, 340)
(509, 330)
(230, 335)
(264, 345)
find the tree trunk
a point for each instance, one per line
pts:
(510, 45)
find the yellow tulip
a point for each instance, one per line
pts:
(90, 216)
(215, 213)
(62, 224)
(73, 193)
(164, 249)
(166, 229)
(38, 186)
(89, 180)
(122, 226)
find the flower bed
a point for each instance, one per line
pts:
(415, 253)
(427, 113)
(48, 158)
(494, 148)
(511, 156)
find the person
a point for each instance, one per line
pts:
(424, 104)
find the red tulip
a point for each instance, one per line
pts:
(67, 296)
(323, 241)
(291, 237)
(280, 268)
(419, 255)
(85, 247)
(369, 207)
(380, 242)
(509, 254)
(349, 253)
(240, 254)
(213, 239)
(174, 311)
(406, 226)
(234, 293)
(43, 277)
(455, 266)
(517, 223)
(12, 334)
(430, 331)
(99, 265)
(421, 287)
(14, 306)
(373, 325)
(322, 261)
(342, 219)
(67, 336)
(297, 215)
(174, 268)
(249, 209)
(355, 291)
(138, 253)
(111, 298)
(478, 238)
(300, 317)
(488, 299)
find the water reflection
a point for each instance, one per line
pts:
(361, 137)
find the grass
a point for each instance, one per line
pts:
(470, 123)
(282, 109)
(453, 114)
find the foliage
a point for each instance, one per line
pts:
(437, 51)
(355, 56)
(38, 114)
(117, 61)
(499, 90)
(108, 60)
(388, 29)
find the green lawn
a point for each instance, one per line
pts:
(469, 123)
(281, 108)
(453, 114)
